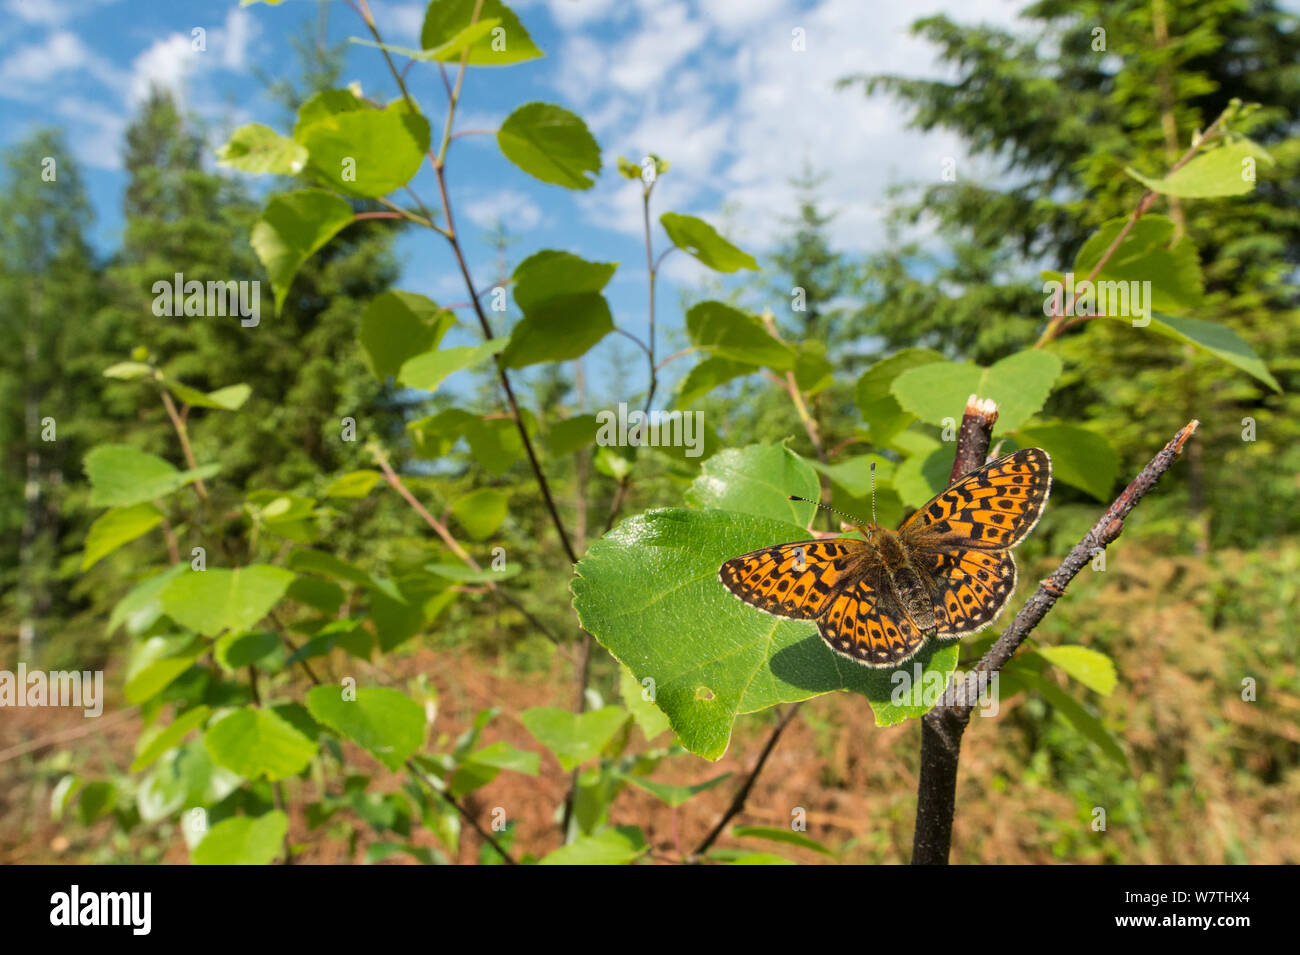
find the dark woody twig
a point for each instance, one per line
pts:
(942, 727)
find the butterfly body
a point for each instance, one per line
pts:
(946, 572)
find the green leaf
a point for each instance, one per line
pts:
(877, 404)
(210, 601)
(155, 741)
(922, 476)
(128, 371)
(572, 737)
(1080, 457)
(367, 153)
(812, 372)
(353, 484)
(787, 836)
(447, 52)
(386, 722)
(396, 326)
(157, 661)
(725, 332)
(571, 434)
(649, 592)
(564, 312)
(234, 651)
(121, 475)
(230, 398)
(447, 24)
(243, 840)
(1019, 383)
(854, 474)
(706, 376)
(551, 144)
(1219, 340)
(758, 479)
(699, 239)
(649, 717)
(142, 607)
(617, 846)
(749, 858)
(464, 574)
(1090, 667)
(672, 795)
(1145, 255)
(292, 228)
(259, 149)
(551, 275)
(1226, 171)
(326, 564)
(119, 526)
(481, 512)
(258, 743)
(323, 105)
(431, 369)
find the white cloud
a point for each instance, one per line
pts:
(99, 133)
(516, 211)
(719, 92)
(234, 39)
(165, 64)
(51, 13)
(399, 23)
(30, 67)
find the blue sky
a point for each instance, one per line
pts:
(714, 87)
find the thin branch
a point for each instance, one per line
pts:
(742, 794)
(465, 813)
(182, 432)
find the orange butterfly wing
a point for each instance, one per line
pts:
(963, 538)
(863, 624)
(796, 580)
(991, 508)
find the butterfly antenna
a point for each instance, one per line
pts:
(873, 492)
(856, 521)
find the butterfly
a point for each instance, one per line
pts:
(946, 572)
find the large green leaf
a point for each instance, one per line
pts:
(617, 846)
(142, 605)
(1080, 457)
(699, 239)
(571, 434)
(119, 526)
(564, 311)
(573, 738)
(157, 740)
(396, 326)
(157, 661)
(706, 376)
(672, 795)
(649, 592)
(1219, 340)
(1090, 667)
(923, 475)
(386, 722)
(259, 149)
(292, 228)
(1226, 171)
(258, 743)
(757, 479)
(244, 840)
(1145, 255)
(369, 152)
(877, 404)
(1019, 383)
(210, 601)
(551, 144)
(481, 512)
(725, 332)
(431, 369)
(324, 104)
(447, 29)
(121, 475)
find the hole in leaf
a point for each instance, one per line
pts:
(703, 693)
